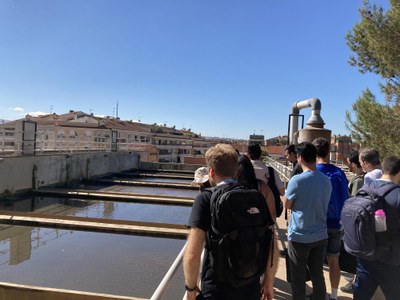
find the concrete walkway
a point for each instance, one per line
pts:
(282, 287)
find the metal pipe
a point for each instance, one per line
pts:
(314, 121)
(163, 286)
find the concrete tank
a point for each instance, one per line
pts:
(309, 134)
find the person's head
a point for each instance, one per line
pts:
(291, 153)
(391, 166)
(254, 151)
(201, 178)
(369, 159)
(354, 162)
(222, 162)
(307, 153)
(322, 146)
(246, 174)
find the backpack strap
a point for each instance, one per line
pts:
(217, 191)
(271, 175)
(380, 192)
(387, 188)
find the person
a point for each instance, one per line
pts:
(355, 167)
(370, 162)
(307, 196)
(337, 197)
(291, 155)
(385, 270)
(222, 163)
(355, 184)
(246, 176)
(201, 179)
(262, 173)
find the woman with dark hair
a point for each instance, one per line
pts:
(246, 176)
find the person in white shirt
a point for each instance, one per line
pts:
(262, 173)
(369, 160)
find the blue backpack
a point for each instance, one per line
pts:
(339, 193)
(358, 219)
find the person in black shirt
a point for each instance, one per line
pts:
(222, 163)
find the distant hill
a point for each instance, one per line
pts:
(3, 121)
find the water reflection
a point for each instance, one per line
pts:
(95, 262)
(163, 180)
(152, 191)
(101, 209)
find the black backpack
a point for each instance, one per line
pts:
(240, 235)
(274, 189)
(358, 219)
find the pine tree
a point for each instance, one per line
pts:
(375, 40)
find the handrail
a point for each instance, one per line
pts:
(201, 267)
(284, 171)
(163, 286)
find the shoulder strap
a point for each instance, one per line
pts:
(380, 192)
(271, 175)
(387, 188)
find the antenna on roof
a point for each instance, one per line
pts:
(117, 111)
(51, 108)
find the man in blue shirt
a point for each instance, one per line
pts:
(307, 196)
(340, 193)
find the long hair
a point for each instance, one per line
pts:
(246, 175)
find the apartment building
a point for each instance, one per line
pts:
(77, 131)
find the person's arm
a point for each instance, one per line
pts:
(357, 184)
(269, 198)
(279, 184)
(290, 195)
(267, 286)
(288, 204)
(191, 260)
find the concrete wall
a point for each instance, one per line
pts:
(169, 166)
(27, 172)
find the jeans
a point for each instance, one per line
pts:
(312, 255)
(371, 274)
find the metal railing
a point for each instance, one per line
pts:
(164, 284)
(284, 171)
(162, 288)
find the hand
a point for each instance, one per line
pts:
(191, 295)
(267, 293)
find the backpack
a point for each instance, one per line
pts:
(240, 235)
(339, 194)
(274, 189)
(358, 220)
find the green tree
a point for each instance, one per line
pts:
(375, 41)
(376, 125)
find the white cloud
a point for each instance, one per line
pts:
(37, 113)
(17, 109)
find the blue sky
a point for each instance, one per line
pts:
(223, 68)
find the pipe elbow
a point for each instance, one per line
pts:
(314, 103)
